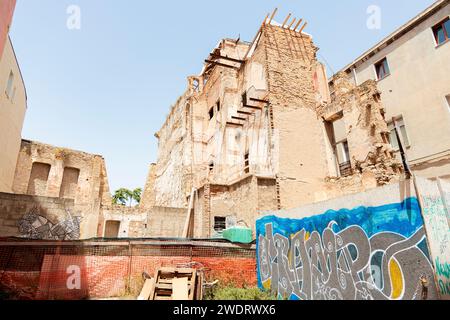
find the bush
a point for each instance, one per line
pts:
(233, 294)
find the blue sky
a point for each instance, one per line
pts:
(107, 88)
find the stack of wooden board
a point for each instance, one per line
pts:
(173, 284)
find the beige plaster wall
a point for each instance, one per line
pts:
(12, 114)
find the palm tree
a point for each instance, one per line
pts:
(136, 195)
(123, 196)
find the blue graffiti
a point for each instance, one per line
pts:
(345, 254)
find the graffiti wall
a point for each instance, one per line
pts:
(435, 197)
(368, 252)
(37, 227)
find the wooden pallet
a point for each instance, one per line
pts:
(175, 284)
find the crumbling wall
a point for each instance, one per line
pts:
(174, 159)
(89, 191)
(40, 218)
(291, 67)
(372, 156)
(148, 194)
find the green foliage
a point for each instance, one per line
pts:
(239, 294)
(123, 196)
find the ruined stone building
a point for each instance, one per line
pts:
(261, 128)
(258, 130)
(412, 70)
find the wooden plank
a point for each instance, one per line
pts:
(147, 289)
(245, 112)
(166, 270)
(259, 100)
(273, 15)
(221, 64)
(218, 56)
(235, 124)
(252, 107)
(298, 24)
(199, 287)
(194, 280)
(180, 289)
(286, 20)
(293, 21)
(238, 118)
(303, 28)
(169, 286)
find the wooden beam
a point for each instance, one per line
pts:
(265, 19)
(273, 15)
(245, 112)
(286, 20)
(149, 286)
(180, 289)
(298, 24)
(221, 64)
(293, 21)
(234, 124)
(218, 56)
(252, 107)
(238, 118)
(303, 28)
(259, 100)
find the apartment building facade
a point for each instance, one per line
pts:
(13, 101)
(412, 70)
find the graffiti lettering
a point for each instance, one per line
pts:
(352, 263)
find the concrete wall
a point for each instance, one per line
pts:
(12, 114)
(416, 89)
(370, 245)
(38, 218)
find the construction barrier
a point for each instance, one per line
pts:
(98, 269)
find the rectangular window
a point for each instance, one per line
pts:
(403, 134)
(218, 106)
(247, 163)
(211, 113)
(382, 69)
(220, 224)
(345, 165)
(442, 31)
(343, 152)
(9, 85)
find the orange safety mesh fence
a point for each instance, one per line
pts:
(96, 269)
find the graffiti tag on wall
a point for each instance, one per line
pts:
(364, 254)
(37, 227)
(435, 196)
